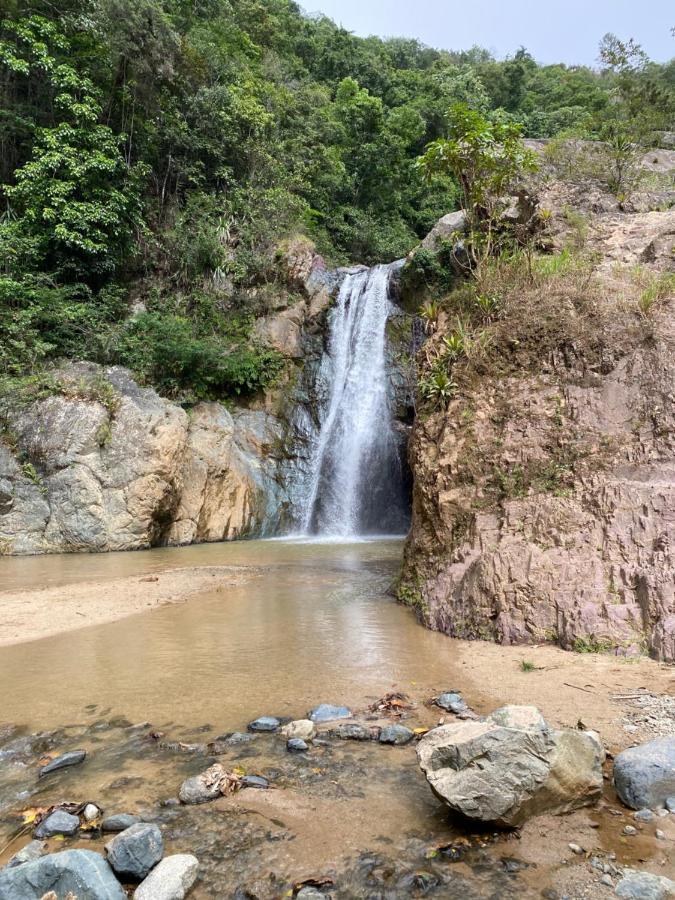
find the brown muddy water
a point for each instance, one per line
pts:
(145, 695)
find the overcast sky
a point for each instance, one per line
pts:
(552, 30)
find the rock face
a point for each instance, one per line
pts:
(508, 768)
(103, 464)
(644, 776)
(645, 886)
(544, 494)
(73, 873)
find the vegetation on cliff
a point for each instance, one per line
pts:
(154, 154)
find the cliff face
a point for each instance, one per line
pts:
(544, 498)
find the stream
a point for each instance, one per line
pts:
(146, 694)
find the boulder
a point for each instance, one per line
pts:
(119, 822)
(327, 713)
(58, 822)
(75, 873)
(133, 852)
(171, 879)
(72, 758)
(203, 787)
(32, 850)
(303, 729)
(451, 224)
(396, 734)
(644, 776)
(644, 886)
(494, 773)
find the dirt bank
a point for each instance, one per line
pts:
(32, 614)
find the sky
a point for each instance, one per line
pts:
(552, 30)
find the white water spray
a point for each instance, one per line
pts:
(356, 482)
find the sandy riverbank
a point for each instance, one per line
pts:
(28, 615)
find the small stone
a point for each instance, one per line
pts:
(91, 812)
(607, 879)
(303, 729)
(254, 781)
(72, 758)
(396, 734)
(353, 731)
(644, 815)
(119, 822)
(451, 701)
(670, 804)
(171, 879)
(327, 713)
(575, 848)
(628, 829)
(660, 835)
(32, 850)
(132, 853)
(203, 787)
(296, 745)
(265, 723)
(662, 813)
(58, 822)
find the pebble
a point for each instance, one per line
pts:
(628, 829)
(575, 848)
(254, 781)
(644, 815)
(91, 812)
(670, 804)
(296, 745)
(72, 758)
(660, 835)
(265, 723)
(607, 879)
(58, 822)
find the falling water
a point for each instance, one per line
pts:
(357, 484)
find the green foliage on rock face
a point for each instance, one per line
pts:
(159, 151)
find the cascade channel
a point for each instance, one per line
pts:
(358, 482)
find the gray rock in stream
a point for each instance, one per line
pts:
(396, 734)
(133, 852)
(171, 879)
(33, 850)
(78, 873)
(352, 731)
(58, 822)
(119, 822)
(452, 702)
(327, 713)
(644, 776)
(64, 761)
(265, 724)
(296, 745)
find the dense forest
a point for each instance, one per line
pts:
(154, 154)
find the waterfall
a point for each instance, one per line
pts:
(357, 482)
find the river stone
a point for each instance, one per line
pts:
(296, 745)
(353, 731)
(303, 729)
(171, 879)
(644, 776)
(265, 723)
(58, 822)
(396, 734)
(32, 850)
(203, 787)
(119, 822)
(644, 886)
(133, 852)
(452, 702)
(501, 775)
(72, 758)
(327, 713)
(72, 873)
(670, 804)
(254, 781)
